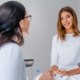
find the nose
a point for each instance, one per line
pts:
(65, 20)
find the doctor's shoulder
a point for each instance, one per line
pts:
(14, 47)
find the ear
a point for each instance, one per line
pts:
(21, 23)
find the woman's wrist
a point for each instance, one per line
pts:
(74, 71)
(70, 73)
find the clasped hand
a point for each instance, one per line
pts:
(63, 72)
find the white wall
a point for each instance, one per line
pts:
(43, 27)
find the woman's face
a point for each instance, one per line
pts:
(66, 20)
(24, 24)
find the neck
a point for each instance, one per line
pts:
(15, 39)
(69, 31)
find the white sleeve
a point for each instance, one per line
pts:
(54, 53)
(11, 63)
(38, 76)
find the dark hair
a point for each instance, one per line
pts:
(11, 13)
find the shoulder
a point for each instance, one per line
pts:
(10, 47)
(55, 37)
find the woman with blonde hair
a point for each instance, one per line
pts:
(65, 55)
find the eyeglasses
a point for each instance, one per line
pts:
(29, 17)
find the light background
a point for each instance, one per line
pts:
(42, 29)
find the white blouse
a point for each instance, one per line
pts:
(66, 54)
(12, 65)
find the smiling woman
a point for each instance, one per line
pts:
(67, 22)
(65, 55)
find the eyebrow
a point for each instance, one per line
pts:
(66, 15)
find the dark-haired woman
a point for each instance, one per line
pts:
(14, 24)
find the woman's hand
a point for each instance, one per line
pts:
(55, 69)
(56, 72)
(65, 73)
(47, 75)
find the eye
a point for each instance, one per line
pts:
(68, 16)
(61, 18)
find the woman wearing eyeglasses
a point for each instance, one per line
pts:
(14, 24)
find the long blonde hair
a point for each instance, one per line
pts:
(60, 29)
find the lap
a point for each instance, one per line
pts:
(74, 77)
(59, 77)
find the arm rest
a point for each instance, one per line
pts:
(29, 62)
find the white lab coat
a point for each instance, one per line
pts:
(12, 65)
